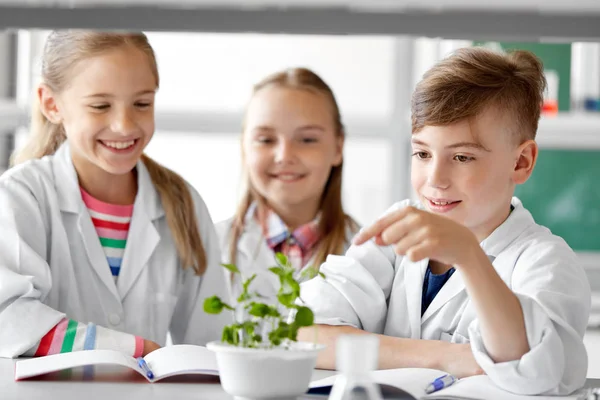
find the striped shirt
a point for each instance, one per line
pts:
(112, 225)
(69, 335)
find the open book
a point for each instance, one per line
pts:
(411, 384)
(164, 362)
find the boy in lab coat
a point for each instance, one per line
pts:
(464, 280)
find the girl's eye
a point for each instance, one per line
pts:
(264, 140)
(100, 106)
(421, 155)
(143, 104)
(309, 140)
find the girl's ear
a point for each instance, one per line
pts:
(527, 154)
(48, 104)
(339, 150)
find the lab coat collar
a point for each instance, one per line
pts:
(142, 238)
(69, 196)
(502, 237)
(518, 221)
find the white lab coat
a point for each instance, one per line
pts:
(376, 290)
(53, 266)
(254, 256)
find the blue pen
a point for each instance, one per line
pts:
(440, 383)
(145, 367)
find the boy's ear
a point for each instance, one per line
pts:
(527, 154)
(48, 104)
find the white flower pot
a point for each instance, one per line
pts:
(260, 374)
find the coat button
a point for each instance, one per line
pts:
(114, 319)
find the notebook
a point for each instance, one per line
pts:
(411, 383)
(164, 362)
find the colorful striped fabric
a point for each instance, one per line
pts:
(69, 335)
(112, 225)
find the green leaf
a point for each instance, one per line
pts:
(287, 299)
(304, 317)
(273, 312)
(228, 335)
(322, 275)
(293, 332)
(308, 273)
(282, 260)
(260, 310)
(232, 268)
(246, 284)
(280, 272)
(214, 305)
(274, 338)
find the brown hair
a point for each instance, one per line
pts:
(473, 79)
(63, 50)
(334, 221)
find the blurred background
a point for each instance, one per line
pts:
(206, 79)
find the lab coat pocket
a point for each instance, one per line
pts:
(162, 312)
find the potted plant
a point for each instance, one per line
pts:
(259, 356)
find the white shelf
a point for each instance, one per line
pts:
(526, 20)
(11, 116)
(571, 131)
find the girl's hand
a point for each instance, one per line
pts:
(149, 347)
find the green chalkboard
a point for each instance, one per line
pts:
(563, 194)
(554, 56)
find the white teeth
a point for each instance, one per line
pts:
(287, 177)
(441, 203)
(119, 145)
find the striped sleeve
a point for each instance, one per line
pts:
(69, 335)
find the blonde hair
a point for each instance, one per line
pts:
(473, 79)
(334, 221)
(63, 50)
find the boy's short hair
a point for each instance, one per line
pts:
(472, 79)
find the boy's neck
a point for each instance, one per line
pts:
(484, 231)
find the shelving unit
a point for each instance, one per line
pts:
(11, 116)
(570, 131)
(531, 20)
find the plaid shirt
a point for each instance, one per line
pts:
(298, 246)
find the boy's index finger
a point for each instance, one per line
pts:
(379, 226)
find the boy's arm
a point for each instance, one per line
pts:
(554, 297)
(456, 359)
(419, 234)
(499, 311)
(527, 338)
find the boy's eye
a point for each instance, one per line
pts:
(462, 158)
(309, 140)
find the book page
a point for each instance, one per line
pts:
(411, 380)
(481, 387)
(182, 359)
(56, 362)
